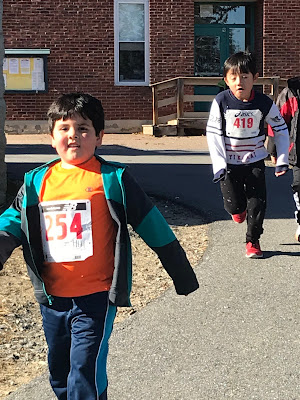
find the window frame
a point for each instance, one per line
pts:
(117, 42)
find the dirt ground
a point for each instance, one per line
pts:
(134, 140)
(23, 350)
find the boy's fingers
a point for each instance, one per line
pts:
(280, 173)
(273, 160)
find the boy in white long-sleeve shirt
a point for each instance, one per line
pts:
(235, 135)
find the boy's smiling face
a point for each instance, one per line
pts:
(240, 83)
(75, 140)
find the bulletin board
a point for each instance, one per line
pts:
(25, 72)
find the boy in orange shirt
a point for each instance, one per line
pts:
(70, 216)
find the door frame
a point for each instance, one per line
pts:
(221, 30)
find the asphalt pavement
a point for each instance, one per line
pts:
(237, 337)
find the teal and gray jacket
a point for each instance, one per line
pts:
(127, 203)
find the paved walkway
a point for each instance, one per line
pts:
(237, 337)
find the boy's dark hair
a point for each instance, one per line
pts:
(77, 103)
(240, 62)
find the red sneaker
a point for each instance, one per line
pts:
(253, 250)
(239, 218)
(297, 234)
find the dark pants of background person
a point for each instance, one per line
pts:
(244, 188)
(296, 191)
(77, 332)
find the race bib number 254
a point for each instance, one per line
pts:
(66, 229)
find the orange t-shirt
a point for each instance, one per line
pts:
(64, 187)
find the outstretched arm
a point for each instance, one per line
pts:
(10, 228)
(148, 222)
(8, 243)
(215, 141)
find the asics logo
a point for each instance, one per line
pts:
(244, 114)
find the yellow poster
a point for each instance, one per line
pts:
(26, 73)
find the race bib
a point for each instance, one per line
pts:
(242, 123)
(66, 228)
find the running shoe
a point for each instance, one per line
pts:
(253, 250)
(239, 218)
(297, 234)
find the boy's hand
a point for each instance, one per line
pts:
(280, 173)
(281, 170)
(273, 160)
(219, 176)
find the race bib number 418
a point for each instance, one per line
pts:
(66, 228)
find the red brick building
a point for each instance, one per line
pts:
(115, 49)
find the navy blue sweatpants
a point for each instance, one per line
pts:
(77, 332)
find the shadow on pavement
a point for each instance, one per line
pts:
(188, 184)
(105, 150)
(270, 254)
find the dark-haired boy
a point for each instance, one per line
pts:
(235, 135)
(71, 218)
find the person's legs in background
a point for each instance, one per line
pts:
(296, 193)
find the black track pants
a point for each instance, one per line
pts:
(244, 188)
(296, 191)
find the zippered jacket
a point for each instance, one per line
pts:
(127, 203)
(288, 103)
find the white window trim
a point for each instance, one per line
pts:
(116, 44)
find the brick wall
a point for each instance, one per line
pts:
(80, 36)
(172, 39)
(81, 49)
(281, 38)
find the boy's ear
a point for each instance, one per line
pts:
(99, 138)
(255, 77)
(53, 142)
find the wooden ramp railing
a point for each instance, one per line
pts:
(173, 99)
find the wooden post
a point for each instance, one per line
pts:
(154, 105)
(275, 88)
(180, 94)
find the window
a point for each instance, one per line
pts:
(222, 14)
(232, 22)
(131, 42)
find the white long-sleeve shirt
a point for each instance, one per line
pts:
(235, 131)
